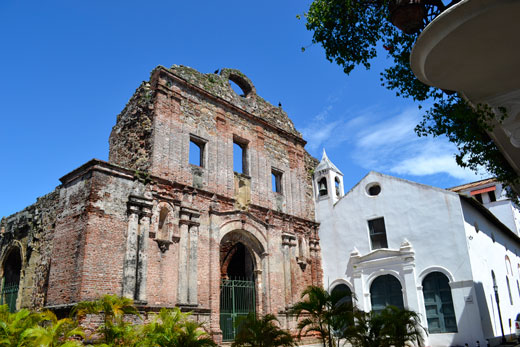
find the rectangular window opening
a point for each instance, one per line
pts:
(492, 196)
(196, 155)
(276, 181)
(240, 156)
(377, 233)
(478, 197)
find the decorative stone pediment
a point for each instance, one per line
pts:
(384, 257)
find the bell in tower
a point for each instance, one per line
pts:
(322, 187)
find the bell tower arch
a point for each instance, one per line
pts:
(327, 183)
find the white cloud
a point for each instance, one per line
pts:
(393, 131)
(385, 142)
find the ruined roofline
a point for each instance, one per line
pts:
(171, 73)
(26, 209)
(116, 170)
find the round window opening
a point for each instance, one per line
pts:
(374, 189)
(240, 86)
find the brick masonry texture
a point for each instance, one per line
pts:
(151, 226)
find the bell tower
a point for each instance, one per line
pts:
(328, 186)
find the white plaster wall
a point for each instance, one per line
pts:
(429, 218)
(504, 211)
(426, 216)
(485, 256)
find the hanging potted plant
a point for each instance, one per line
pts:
(407, 15)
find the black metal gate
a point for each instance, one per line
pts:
(237, 299)
(8, 295)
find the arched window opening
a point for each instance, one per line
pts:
(386, 290)
(509, 268)
(341, 294)
(438, 304)
(11, 280)
(322, 187)
(509, 290)
(337, 186)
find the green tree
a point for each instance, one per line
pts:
(261, 332)
(51, 332)
(322, 313)
(115, 330)
(351, 32)
(172, 328)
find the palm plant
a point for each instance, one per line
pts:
(13, 325)
(323, 314)
(390, 327)
(401, 326)
(172, 328)
(52, 332)
(261, 332)
(192, 335)
(365, 330)
(115, 330)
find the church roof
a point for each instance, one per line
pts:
(326, 164)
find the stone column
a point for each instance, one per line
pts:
(142, 263)
(313, 254)
(130, 263)
(134, 266)
(183, 260)
(286, 251)
(259, 290)
(214, 274)
(193, 264)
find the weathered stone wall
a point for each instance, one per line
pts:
(188, 103)
(131, 138)
(151, 226)
(30, 233)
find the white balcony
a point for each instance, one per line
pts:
(474, 48)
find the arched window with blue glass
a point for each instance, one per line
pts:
(386, 290)
(342, 294)
(438, 303)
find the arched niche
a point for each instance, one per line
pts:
(163, 221)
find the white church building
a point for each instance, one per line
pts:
(430, 250)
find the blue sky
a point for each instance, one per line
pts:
(67, 68)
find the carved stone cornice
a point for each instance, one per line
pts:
(188, 222)
(140, 205)
(288, 239)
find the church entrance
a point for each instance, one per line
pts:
(237, 287)
(11, 279)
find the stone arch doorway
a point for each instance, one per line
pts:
(12, 269)
(238, 288)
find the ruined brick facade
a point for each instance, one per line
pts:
(153, 227)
